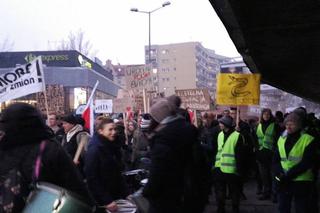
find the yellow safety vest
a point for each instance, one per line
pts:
(265, 139)
(225, 158)
(295, 156)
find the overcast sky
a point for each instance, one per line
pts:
(114, 31)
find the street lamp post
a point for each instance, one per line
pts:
(167, 3)
(154, 71)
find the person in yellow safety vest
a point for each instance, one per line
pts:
(293, 162)
(227, 168)
(267, 133)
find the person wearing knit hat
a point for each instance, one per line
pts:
(227, 121)
(140, 143)
(161, 109)
(170, 139)
(227, 167)
(176, 101)
(71, 119)
(293, 163)
(296, 122)
(75, 139)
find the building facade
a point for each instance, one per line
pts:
(69, 77)
(184, 66)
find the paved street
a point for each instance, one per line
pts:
(251, 205)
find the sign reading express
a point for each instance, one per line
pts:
(195, 99)
(50, 58)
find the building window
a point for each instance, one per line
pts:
(165, 52)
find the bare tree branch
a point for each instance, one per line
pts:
(6, 45)
(76, 41)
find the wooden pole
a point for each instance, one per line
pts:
(195, 118)
(46, 101)
(125, 127)
(237, 118)
(144, 101)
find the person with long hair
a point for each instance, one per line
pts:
(267, 133)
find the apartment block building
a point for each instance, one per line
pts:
(184, 66)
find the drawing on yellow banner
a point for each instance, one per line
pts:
(239, 86)
(238, 89)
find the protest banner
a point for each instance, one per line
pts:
(238, 89)
(55, 97)
(195, 99)
(121, 105)
(103, 106)
(22, 81)
(138, 77)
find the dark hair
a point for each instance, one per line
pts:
(264, 110)
(279, 116)
(103, 122)
(23, 124)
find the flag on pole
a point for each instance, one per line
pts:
(238, 89)
(87, 114)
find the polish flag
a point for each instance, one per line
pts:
(87, 114)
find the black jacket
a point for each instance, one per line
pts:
(170, 147)
(208, 137)
(240, 156)
(56, 166)
(308, 160)
(103, 167)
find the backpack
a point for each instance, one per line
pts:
(14, 186)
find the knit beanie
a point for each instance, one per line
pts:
(161, 109)
(227, 121)
(71, 119)
(295, 118)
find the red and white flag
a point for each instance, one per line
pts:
(87, 114)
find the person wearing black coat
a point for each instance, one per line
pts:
(228, 179)
(103, 167)
(264, 152)
(23, 130)
(170, 143)
(208, 134)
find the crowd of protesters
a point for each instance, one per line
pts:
(279, 151)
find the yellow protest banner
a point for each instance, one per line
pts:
(238, 89)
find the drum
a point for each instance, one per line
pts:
(125, 206)
(49, 198)
(133, 179)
